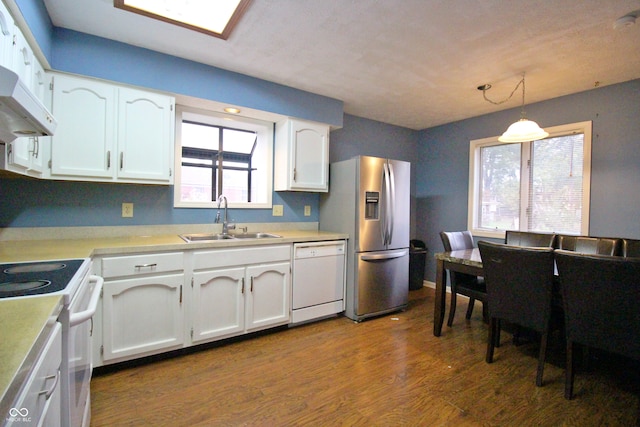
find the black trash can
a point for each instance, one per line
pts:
(417, 260)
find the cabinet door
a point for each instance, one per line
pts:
(7, 29)
(83, 143)
(145, 135)
(311, 156)
(302, 156)
(218, 304)
(23, 155)
(23, 58)
(39, 82)
(142, 316)
(267, 299)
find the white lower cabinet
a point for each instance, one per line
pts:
(142, 310)
(238, 291)
(142, 316)
(218, 304)
(149, 306)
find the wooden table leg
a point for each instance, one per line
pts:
(438, 312)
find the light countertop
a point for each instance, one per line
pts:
(47, 249)
(25, 326)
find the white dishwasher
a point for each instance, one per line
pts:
(318, 288)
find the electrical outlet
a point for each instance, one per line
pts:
(278, 210)
(127, 210)
(307, 210)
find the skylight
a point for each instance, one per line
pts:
(216, 18)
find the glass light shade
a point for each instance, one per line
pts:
(523, 130)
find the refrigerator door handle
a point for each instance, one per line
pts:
(378, 257)
(392, 203)
(387, 211)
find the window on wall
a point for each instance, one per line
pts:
(540, 185)
(219, 154)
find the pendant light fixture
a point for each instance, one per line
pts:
(523, 130)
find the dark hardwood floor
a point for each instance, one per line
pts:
(388, 371)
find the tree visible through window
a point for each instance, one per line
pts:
(532, 186)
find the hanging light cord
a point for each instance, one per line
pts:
(487, 87)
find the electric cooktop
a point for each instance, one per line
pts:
(36, 278)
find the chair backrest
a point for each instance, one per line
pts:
(529, 238)
(631, 248)
(456, 240)
(589, 245)
(519, 283)
(601, 296)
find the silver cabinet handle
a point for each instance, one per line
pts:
(36, 147)
(121, 160)
(108, 159)
(48, 393)
(139, 266)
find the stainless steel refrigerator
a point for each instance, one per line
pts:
(369, 199)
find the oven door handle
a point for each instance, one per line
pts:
(83, 316)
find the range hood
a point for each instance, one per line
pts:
(21, 113)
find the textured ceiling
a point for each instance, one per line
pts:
(412, 63)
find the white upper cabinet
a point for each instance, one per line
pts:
(6, 37)
(83, 144)
(111, 133)
(302, 156)
(23, 59)
(26, 155)
(145, 135)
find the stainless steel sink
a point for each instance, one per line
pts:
(256, 236)
(204, 237)
(209, 237)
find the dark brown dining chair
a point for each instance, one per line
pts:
(601, 297)
(529, 238)
(589, 245)
(519, 288)
(463, 284)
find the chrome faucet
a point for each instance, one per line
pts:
(225, 223)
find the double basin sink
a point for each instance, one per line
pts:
(208, 237)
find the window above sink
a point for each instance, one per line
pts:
(222, 154)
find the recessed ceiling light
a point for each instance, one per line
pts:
(216, 18)
(232, 110)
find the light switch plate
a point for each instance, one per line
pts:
(307, 210)
(278, 210)
(127, 210)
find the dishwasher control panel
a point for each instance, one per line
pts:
(307, 250)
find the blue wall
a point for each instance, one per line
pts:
(64, 203)
(443, 156)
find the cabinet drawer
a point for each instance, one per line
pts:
(241, 256)
(142, 264)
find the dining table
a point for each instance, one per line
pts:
(464, 261)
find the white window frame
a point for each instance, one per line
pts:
(265, 129)
(555, 131)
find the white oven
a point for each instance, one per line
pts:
(77, 329)
(80, 292)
